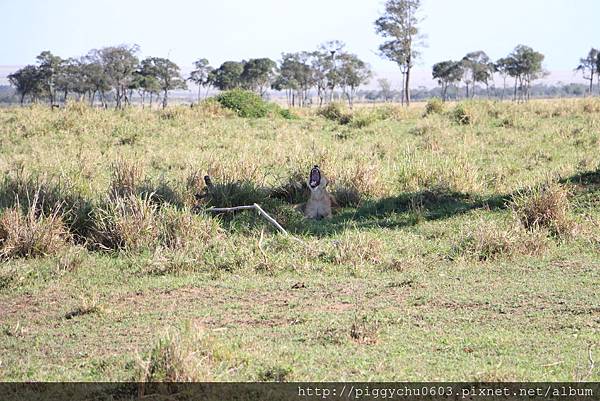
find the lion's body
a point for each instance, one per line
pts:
(320, 204)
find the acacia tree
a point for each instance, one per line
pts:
(321, 65)
(228, 75)
(201, 74)
(295, 77)
(385, 88)
(27, 82)
(477, 68)
(49, 67)
(353, 72)
(166, 73)
(503, 67)
(525, 67)
(258, 74)
(447, 73)
(333, 50)
(96, 79)
(589, 66)
(119, 63)
(399, 25)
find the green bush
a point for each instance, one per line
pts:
(434, 106)
(462, 114)
(244, 103)
(335, 111)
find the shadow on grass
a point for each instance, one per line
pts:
(404, 210)
(586, 181)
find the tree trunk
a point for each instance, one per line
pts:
(407, 87)
(165, 99)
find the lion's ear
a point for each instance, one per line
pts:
(324, 181)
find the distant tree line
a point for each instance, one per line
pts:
(524, 65)
(115, 73)
(540, 90)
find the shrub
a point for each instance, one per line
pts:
(31, 234)
(337, 112)
(546, 206)
(434, 106)
(244, 103)
(287, 114)
(462, 114)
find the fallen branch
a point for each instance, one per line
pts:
(247, 207)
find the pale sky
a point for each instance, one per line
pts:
(221, 30)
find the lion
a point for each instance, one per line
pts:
(320, 204)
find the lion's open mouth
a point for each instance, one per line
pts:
(315, 177)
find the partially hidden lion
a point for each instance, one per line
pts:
(320, 203)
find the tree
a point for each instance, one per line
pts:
(352, 72)
(166, 73)
(399, 24)
(295, 77)
(477, 68)
(503, 67)
(258, 74)
(228, 75)
(27, 81)
(71, 78)
(385, 89)
(332, 49)
(201, 75)
(119, 63)
(589, 65)
(525, 66)
(321, 64)
(447, 73)
(49, 67)
(96, 79)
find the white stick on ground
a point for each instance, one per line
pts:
(247, 207)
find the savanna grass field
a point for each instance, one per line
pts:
(466, 245)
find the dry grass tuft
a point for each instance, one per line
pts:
(492, 241)
(546, 206)
(126, 178)
(187, 355)
(31, 234)
(125, 223)
(355, 250)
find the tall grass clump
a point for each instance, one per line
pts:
(178, 357)
(463, 114)
(32, 233)
(244, 103)
(126, 178)
(48, 196)
(434, 106)
(187, 355)
(547, 207)
(337, 112)
(488, 240)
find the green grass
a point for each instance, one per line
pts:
(429, 274)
